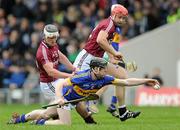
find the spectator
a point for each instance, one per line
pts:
(24, 35)
(5, 63)
(16, 79)
(2, 13)
(12, 23)
(13, 42)
(72, 50)
(34, 43)
(58, 14)
(71, 17)
(32, 78)
(44, 12)
(21, 21)
(20, 10)
(3, 41)
(63, 40)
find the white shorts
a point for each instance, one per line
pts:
(68, 106)
(83, 60)
(48, 89)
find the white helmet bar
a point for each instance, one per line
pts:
(51, 31)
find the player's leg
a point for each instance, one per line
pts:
(119, 95)
(121, 73)
(17, 118)
(112, 106)
(33, 115)
(50, 112)
(64, 118)
(82, 110)
(48, 91)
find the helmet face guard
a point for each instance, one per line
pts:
(50, 31)
(98, 62)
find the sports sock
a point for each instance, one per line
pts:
(122, 109)
(113, 102)
(21, 119)
(40, 122)
(18, 120)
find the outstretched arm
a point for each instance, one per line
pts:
(135, 82)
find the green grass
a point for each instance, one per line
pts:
(151, 118)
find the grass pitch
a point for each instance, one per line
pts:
(151, 118)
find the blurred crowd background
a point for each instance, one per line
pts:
(22, 22)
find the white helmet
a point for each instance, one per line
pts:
(51, 30)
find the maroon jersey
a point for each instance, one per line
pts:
(92, 46)
(44, 55)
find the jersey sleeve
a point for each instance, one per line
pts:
(69, 83)
(108, 80)
(75, 80)
(115, 81)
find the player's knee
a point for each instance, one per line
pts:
(45, 115)
(66, 122)
(81, 109)
(121, 73)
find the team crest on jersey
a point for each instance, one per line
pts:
(95, 86)
(92, 87)
(55, 54)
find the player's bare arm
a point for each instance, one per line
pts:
(102, 90)
(53, 72)
(65, 61)
(103, 42)
(58, 91)
(60, 85)
(135, 82)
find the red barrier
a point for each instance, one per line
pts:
(165, 96)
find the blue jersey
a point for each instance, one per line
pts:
(117, 38)
(115, 41)
(83, 85)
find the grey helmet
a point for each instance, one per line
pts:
(50, 30)
(98, 62)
